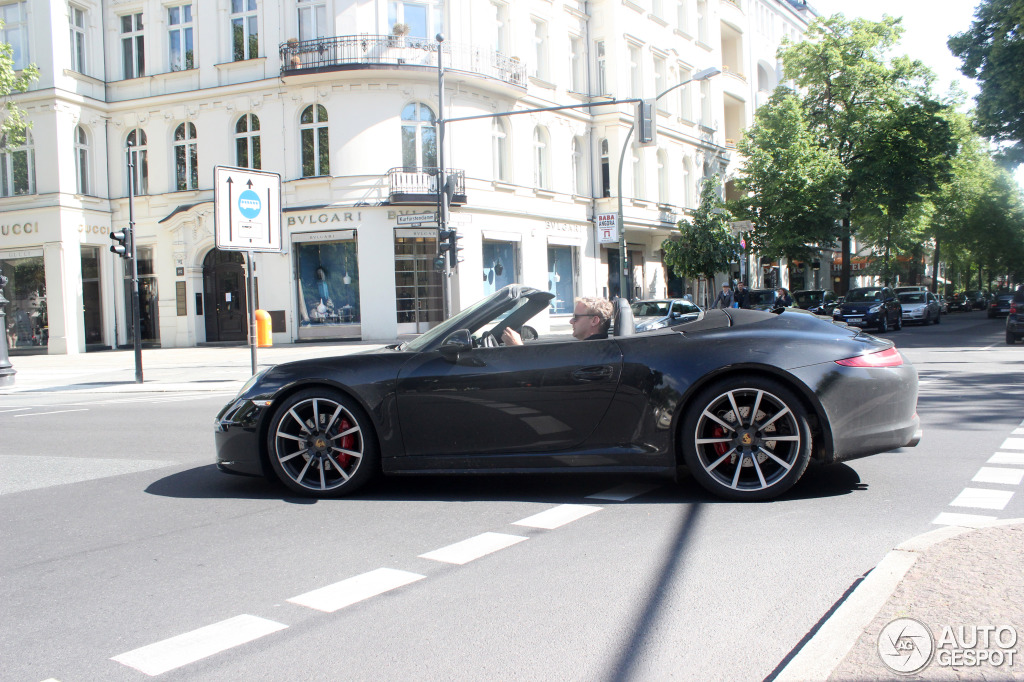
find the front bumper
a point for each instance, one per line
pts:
(237, 439)
(1015, 324)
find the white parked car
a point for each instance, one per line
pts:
(921, 307)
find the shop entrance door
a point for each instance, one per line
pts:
(224, 287)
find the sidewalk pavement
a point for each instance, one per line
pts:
(966, 585)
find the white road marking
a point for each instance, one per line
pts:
(982, 498)
(965, 520)
(15, 409)
(998, 475)
(626, 491)
(190, 647)
(347, 592)
(463, 552)
(1013, 444)
(1018, 432)
(37, 414)
(557, 516)
(1007, 458)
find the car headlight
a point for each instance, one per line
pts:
(875, 309)
(837, 313)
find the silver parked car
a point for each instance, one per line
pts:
(921, 307)
(656, 314)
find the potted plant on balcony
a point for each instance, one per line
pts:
(398, 33)
(294, 60)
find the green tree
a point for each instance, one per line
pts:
(992, 51)
(14, 124)
(705, 244)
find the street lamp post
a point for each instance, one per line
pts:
(625, 283)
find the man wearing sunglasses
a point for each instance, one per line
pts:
(590, 320)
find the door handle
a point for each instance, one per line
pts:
(588, 374)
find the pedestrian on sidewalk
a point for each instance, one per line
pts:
(742, 295)
(724, 298)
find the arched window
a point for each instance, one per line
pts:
(606, 171)
(316, 150)
(540, 157)
(663, 190)
(419, 136)
(579, 167)
(186, 157)
(247, 142)
(140, 160)
(81, 160)
(499, 149)
(17, 168)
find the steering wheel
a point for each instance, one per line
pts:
(488, 340)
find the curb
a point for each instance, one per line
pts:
(833, 640)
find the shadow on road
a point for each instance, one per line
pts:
(953, 401)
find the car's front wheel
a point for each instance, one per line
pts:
(883, 325)
(1011, 338)
(321, 443)
(746, 439)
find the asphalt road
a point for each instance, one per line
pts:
(119, 535)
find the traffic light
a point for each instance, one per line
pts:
(646, 123)
(122, 245)
(448, 242)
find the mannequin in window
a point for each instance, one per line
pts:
(321, 283)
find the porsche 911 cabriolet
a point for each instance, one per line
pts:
(743, 399)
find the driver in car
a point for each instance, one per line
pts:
(590, 320)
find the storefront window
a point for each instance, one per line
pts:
(418, 294)
(561, 280)
(27, 325)
(149, 314)
(328, 274)
(500, 265)
(91, 308)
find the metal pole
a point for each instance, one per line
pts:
(251, 308)
(136, 320)
(442, 197)
(625, 290)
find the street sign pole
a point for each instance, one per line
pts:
(136, 322)
(252, 308)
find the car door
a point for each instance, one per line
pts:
(537, 398)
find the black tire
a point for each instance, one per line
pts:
(883, 326)
(899, 322)
(761, 457)
(1011, 338)
(321, 443)
(938, 318)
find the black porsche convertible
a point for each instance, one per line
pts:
(743, 399)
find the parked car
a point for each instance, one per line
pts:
(817, 301)
(921, 307)
(650, 315)
(1015, 318)
(943, 304)
(999, 304)
(960, 302)
(742, 398)
(905, 289)
(761, 299)
(870, 307)
(977, 299)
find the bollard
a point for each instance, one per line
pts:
(264, 329)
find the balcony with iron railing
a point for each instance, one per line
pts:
(419, 186)
(375, 51)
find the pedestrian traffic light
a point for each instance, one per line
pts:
(646, 123)
(448, 242)
(123, 242)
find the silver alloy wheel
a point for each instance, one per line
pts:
(748, 440)
(318, 443)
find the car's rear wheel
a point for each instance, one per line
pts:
(321, 443)
(899, 322)
(746, 439)
(938, 318)
(1011, 338)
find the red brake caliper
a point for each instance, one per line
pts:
(720, 448)
(347, 443)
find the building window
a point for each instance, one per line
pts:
(576, 58)
(423, 19)
(186, 157)
(182, 51)
(499, 149)
(82, 160)
(328, 274)
(661, 82)
(683, 15)
(245, 34)
(247, 142)
(312, 19)
(316, 151)
(419, 298)
(702, 21)
(639, 187)
(579, 167)
(705, 103)
(14, 32)
(602, 70)
(606, 171)
(17, 168)
(540, 49)
(663, 188)
(541, 142)
(133, 57)
(92, 310)
(658, 8)
(77, 18)
(501, 265)
(561, 279)
(149, 312)
(25, 310)
(500, 27)
(636, 76)
(419, 136)
(688, 181)
(140, 160)
(685, 101)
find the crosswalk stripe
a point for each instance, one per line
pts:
(557, 516)
(347, 592)
(965, 520)
(1007, 458)
(999, 475)
(463, 552)
(1013, 444)
(982, 498)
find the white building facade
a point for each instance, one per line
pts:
(340, 97)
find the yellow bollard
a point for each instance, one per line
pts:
(264, 329)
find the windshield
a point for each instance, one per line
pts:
(864, 296)
(650, 309)
(761, 297)
(807, 299)
(447, 327)
(912, 297)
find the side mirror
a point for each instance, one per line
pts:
(459, 341)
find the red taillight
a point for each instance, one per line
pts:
(886, 358)
(1013, 308)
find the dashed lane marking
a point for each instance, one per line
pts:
(965, 520)
(190, 647)
(1013, 444)
(999, 475)
(39, 414)
(558, 516)
(982, 498)
(347, 592)
(626, 491)
(15, 409)
(1007, 458)
(463, 552)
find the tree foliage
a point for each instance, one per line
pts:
(14, 124)
(992, 51)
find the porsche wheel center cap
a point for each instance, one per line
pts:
(747, 438)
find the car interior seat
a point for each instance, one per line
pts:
(623, 319)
